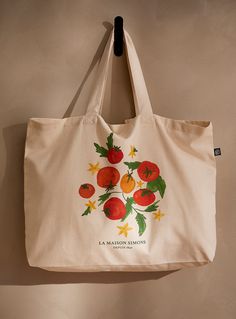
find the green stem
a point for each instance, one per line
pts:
(141, 210)
(136, 209)
(124, 196)
(116, 193)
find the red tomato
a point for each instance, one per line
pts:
(86, 190)
(148, 171)
(144, 197)
(114, 208)
(115, 155)
(108, 176)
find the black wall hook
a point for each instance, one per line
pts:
(118, 36)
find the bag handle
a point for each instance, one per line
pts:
(141, 98)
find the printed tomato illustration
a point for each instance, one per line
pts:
(112, 152)
(108, 176)
(114, 208)
(148, 171)
(112, 181)
(127, 183)
(144, 197)
(115, 155)
(86, 190)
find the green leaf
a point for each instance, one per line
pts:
(87, 211)
(132, 165)
(153, 186)
(128, 207)
(103, 198)
(157, 185)
(110, 141)
(152, 208)
(140, 218)
(162, 186)
(101, 150)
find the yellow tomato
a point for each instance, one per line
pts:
(127, 183)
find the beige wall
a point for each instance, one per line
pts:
(48, 52)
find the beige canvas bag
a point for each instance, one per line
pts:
(136, 196)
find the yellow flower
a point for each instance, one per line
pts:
(133, 151)
(91, 205)
(93, 168)
(158, 215)
(140, 184)
(124, 229)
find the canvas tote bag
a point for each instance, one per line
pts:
(135, 196)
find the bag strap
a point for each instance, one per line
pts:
(140, 93)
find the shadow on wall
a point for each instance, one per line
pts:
(14, 268)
